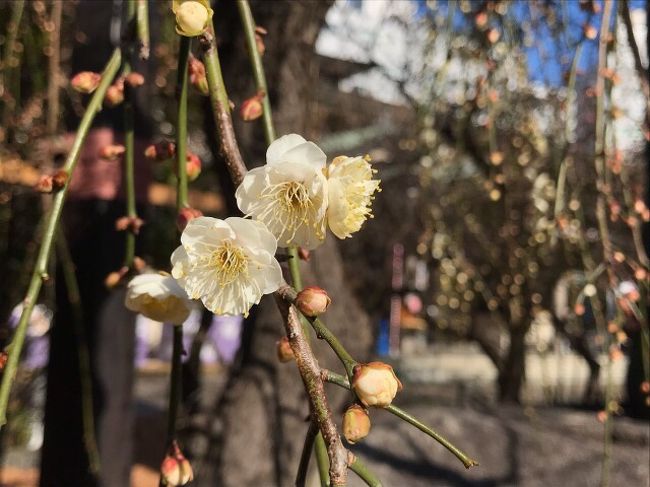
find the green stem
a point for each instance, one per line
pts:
(142, 19)
(358, 467)
(341, 381)
(303, 467)
(129, 170)
(322, 460)
(74, 298)
(181, 123)
(258, 68)
(6, 69)
(49, 232)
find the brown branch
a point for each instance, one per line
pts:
(221, 109)
(311, 377)
(638, 65)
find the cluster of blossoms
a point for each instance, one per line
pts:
(297, 195)
(230, 264)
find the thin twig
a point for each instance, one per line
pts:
(49, 232)
(311, 376)
(339, 380)
(54, 60)
(358, 467)
(142, 19)
(303, 466)
(221, 109)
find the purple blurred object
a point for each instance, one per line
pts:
(36, 350)
(225, 335)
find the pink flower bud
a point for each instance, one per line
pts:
(303, 254)
(113, 151)
(115, 278)
(114, 95)
(375, 384)
(85, 82)
(44, 184)
(160, 151)
(312, 301)
(59, 179)
(356, 424)
(199, 80)
(134, 79)
(130, 223)
(4, 357)
(252, 108)
(260, 32)
(193, 166)
(285, 354)
(176, 469)
(186, 215)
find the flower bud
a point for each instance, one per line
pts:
(493, 35)
(114, 279)
(139, 264)
(193, 166)
(312, 301)
(59, 179)
(252, 108)
(113, 151)
(85, 82)
(192, 16)
(283, 347)
(130, 223)
(44, 184)
(645, 387)
(303, 254)
(134, 79)
(160, 151)
(114, 95)
(176, 469)
(356, 424)
(186, 215)
(375, 384)
(199, 80)
(260, 32)
(4, 356)
(496, 158)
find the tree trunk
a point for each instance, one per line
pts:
(263, 412)
(512, 372)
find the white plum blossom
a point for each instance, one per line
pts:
(227, 264)
(157, 297)
(289, 193)
(350, 194)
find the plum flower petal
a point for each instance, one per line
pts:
(289, 193)
(158, 297)
(227, 264)
(350, 194)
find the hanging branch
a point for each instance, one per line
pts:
(49, 231)
(311, 376)
(358, 467)
(54, 60)
(341, 381)
(181, 202)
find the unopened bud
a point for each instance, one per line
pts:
(304, 254)
(192, 16)
(644, 387)
(85, 82)
(115, 278)
(252, 108)
(601, 416)
(260, 32)
(356, 424)
(193, 166)
(114, 95)
(176, 469)
(160, 151)
(3, 359)
(139, 264)
(59, 179)
(199, 80)
(312, 301)
(186, 215)
(130, 223)
(481, 19)
(134, 80)
(283, 347)
(375, 384)
(112, 151)
(44, 184)
(579, 309)
(640, 274)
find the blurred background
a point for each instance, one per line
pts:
(510, 149)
